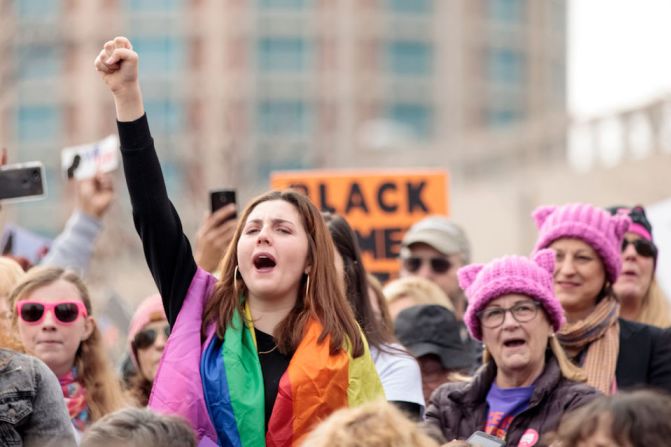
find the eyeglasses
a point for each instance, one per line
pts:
(414, 263)
(493, 317)
(147, 337)
(643, 247)
(65, 312)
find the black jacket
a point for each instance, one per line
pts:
(645, 356)
(456, 410)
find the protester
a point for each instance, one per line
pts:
(431, 334)
(527, 382)
(614, 353)
(373, 424)
(411, 291)
(281, 347)
(52, 312)
(641, 298)
(73, 248)
(640, 418)
(213, 238)
(398, 370)
(434, 248)
(31, 404)
(147, 334)
(10, 274)
(134, 427)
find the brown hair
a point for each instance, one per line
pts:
(356, 281)
(103, 390)
(637, 418)
(323, 299)
(136, 427)
(376, 423)
(378, 296)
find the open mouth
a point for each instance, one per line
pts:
(514, 343)
(264, 262)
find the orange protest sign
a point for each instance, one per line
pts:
(379, 205)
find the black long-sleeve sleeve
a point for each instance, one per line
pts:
(166, 248)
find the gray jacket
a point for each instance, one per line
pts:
(32, 409)
(456, 410)
(73, 248)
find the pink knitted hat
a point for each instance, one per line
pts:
(511, 274)
(596, 227)
(151, 309)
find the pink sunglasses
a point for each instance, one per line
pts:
(65, 312)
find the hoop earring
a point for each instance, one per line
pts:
(235, 280)
(307, 286)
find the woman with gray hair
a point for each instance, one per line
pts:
(134, 427)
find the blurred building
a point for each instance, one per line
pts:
(237, 88)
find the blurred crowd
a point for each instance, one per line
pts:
(269, 331)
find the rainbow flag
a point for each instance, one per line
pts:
(314, 385)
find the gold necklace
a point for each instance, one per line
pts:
(268, 351)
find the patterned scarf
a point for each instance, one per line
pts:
(75, 399)
(600, 334)
(314, 385)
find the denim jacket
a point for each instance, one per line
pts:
(32, 409)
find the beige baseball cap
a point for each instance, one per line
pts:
(440, 233)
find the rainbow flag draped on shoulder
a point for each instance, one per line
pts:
(314, 385)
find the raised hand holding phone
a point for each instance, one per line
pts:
(214, 236)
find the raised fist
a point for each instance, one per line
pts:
(118, 64)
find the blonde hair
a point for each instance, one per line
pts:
(568, 369)
(376, 423)
(136, 427)
(420, 290)
(103, 390)
(655, 308)
(10, 275)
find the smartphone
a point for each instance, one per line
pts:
(22, 181)
(220, 198)
(482, 439)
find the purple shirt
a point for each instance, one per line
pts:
(504, 405)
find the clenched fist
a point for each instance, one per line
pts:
(118, 65)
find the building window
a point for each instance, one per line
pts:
(282, 117)
(414, 118)
(292, 158)
(505, 66)
(160, 55)
(509, 11)
(283, 54)
(38, 123)
(503, 115)
(37, 9)
(283, 4)
(410, 6)
(154, 5)
(408, 57)
(38, 62)
(166, 116)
